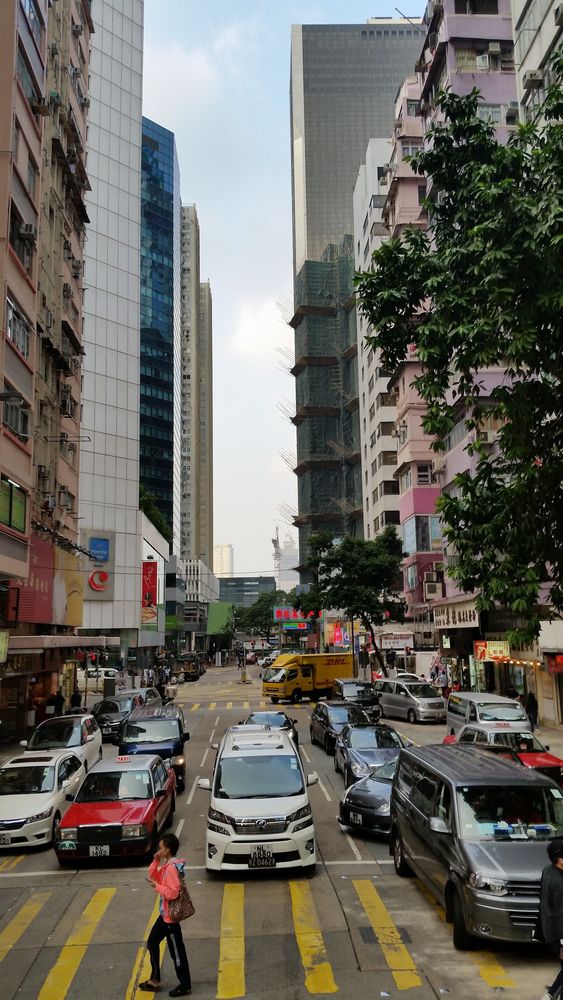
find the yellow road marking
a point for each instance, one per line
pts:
(195, 706)
(11, 862)
(491, 971)
(318, 971)
(142, 966)
(212, 705)
(262, 704)
(394, 952)
(59, 980)
(246, 704)
(19, 924)
(231, 977)
(229, 704)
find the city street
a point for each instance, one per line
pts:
(354, 928)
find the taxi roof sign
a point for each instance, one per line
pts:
(123, 760)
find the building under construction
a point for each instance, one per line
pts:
(326, 392)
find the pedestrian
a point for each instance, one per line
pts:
(164, 876)
(76, 699)
(59, 702)
(531, 706)
(50, 705)
(550, 923)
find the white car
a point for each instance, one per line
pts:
(79, 733)
(33, 790)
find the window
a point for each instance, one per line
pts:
(33, 19)
(443, 808)
(412, 108)
(476, 6)
(390, 488)
(405, 481)
(13, 504)
(16, 418)
(372, 411)
(423, 793)
(25, 78)
(374, 496)
(376, 525)
(410, 147)
(423, 475)
(374, 467)
(390, 517)
(18, 328)
(21, 244)
(421, 193)
(411, 577)
(489, 113)
(371, 384)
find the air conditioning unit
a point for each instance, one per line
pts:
(66, 499)
(77, 269)
(85, 102)
(50, 503)
(67, 290)
(533, 79)
(558, 15)
(482, 61)
(488, 437)
(431, 578)
(40, 106)
(77, 30)
(28, 232)
(432, 591)
(494, 48)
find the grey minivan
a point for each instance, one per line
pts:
(415, 701)
(474, 828)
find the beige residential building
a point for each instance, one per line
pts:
(538, 30)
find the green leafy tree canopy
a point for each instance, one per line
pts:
(480, 296)
(148, 505)
(258, 619)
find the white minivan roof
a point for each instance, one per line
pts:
(481, 697)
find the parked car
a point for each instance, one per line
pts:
(273, 720)
(477, 706)
(415, 701)
(110, 712)
(156, 730)
(366, 804)
(474, 829)
(33, 790)
(328, 720)
(361, 748)
(250, 658)
(79, 733)
(509, 735)
(120, 810)
(348, 689)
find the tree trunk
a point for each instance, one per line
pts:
(376, 651)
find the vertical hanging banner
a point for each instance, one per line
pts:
(149, 595)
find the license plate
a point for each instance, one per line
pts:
(261, 857)
(356, 818)
(5, 839)
(106, 729)
(67, 845)
(99, 850)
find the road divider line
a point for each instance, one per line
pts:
(310, 941)
(353, 847)
(306, 755)
(142, 962)
(195, 706)
(179, 828)
(216, 723)
(231, 979)
(192, 790)
(204, 758)
(59, 980)
(211, 735)
(365, 862)
(19, 924)
(324, 791)
(395, 954)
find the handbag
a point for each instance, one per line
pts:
(182, 906)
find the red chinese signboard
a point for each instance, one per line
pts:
(555, 663)
(286, 614)
(149, 610)
(31, 600)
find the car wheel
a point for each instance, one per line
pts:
(296, 696)
(401, 866)
(182, 782)
(328, 745)
(336, 767)
(274, 701)
(56, 821)
(463, 941)
(411, 716)
(313, 740)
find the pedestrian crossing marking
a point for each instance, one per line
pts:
(396, 955)
(195, 706)
(318, 971)
(59, 980)
(11, 861)
(246, 704)
(19, 924)
(229, 704)
(142, 966)
(212, 705)
(231, 980)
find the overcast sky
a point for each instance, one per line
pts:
(217, 74)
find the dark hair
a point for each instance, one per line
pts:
(555, 849)
(171, 843)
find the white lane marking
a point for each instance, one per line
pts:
(179, 828)
(216, 723)
(306, 755)
(192, 791)
(353, 847)
(357, 862)
(211, 735)
(204, 758)
(324, 791)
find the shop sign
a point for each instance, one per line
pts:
(285, 614)
(461, 615)
(491, 649)
(68, 589)
(149, 609)
(31, 600)
(396, 640)
(101, 570)
(555, 663)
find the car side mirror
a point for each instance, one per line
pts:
(438, 825)
(547, 747)
(204, 784)
(90, 738)
(160, 793)
(23, 743)
(69, 797)
(186, 737)
(312, 778)
(408, 743)
(295, 721)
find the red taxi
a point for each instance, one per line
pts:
(120, 809)
(521, 742)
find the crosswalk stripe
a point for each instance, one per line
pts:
(212, 705)
(229, 704)
(195, 706)
(246, 704)
(231, 980)
(396, 955)
(59, 980)
(19, 924)
(11, 861)
(318, 971)
(142, 966)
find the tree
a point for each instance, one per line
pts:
(363, 578)
(484, 290)
(148, 505)
(258, 619)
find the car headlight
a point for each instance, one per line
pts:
(134, 830)
(215, 828)
(42, 815)
(300, 814)
(177, 760)
(360, 770)
(495, 886)
(66, 833)
(220, 817)
(383, 809)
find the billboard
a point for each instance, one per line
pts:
(491, 650)
(100, 573)
(68, 589)
(149, 595)
(286, 614)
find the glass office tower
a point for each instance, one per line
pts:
(160, 389)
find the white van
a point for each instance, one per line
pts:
(259, 815)
(474, 706)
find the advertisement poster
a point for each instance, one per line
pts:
(149, 596)
(100, 572)
(67, 589)
(491, 650)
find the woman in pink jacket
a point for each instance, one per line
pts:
(164, 878)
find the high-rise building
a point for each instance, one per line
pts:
(223, 560)
(289, 560)
(196, 534)
(244, 591)
(538, 30)
(160, 373)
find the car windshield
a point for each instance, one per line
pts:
(513, 812)
(422, 690)
(276, 676)
(26, 780)
(500, 712)
(521, 742)
(151, 731)
(344, 714)
(114, 786)
(108, 706)
(62, 733)
(275, 719)
(372, 737)
(259, 777)
(385, 772)
(268, 673)
(357, 690)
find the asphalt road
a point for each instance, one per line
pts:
(354, 928)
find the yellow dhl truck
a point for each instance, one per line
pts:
(295, 675)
